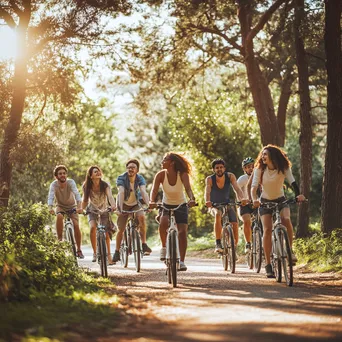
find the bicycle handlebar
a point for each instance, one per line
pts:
(161, 206)
(229, 204)
(272, 205)
(67, 212)
(133, 211)
(98, 212)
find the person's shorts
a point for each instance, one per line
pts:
(181, 214)
(265, 211)
(105, 220)
(231, 214)
(246, 209)
(122, 219)
(73, 216)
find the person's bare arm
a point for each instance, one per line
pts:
(110, 197)
(186, 182)
(208, 185)
(144, 193)
(155, 186)
(121, 196)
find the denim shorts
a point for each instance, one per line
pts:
(245, 209)
(265, 211)
(181, 214)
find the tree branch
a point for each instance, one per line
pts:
(8, 18)
(16, 9)
(263, 20)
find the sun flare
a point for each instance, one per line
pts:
(7, 43)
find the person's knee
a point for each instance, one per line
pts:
(59, 217)
(286, 221)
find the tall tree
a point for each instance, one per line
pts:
(305, 139)
(332, 184)
(43, 28)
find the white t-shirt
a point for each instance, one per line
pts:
(242, 183)
(272, 182)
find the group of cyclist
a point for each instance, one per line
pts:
(262, 181)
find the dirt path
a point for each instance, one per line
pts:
(212, 305)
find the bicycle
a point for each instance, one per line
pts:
(101, 247)
(281, 256)
(172, 259)
(69, 232)
(228, 243)
(255, 255)
(131, 241)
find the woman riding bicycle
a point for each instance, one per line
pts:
(174, 176)
(271, 168)
(96, 196)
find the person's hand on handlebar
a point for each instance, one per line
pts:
(152, 205)
(192, 203)
(300, 198)
(208, 204)
(256, 203)
(79, 211)
(244, 202)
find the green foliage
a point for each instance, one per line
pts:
(32, 261)
(320, 252)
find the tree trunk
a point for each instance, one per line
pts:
(17, 108)
(305, 138)
(332, 184)
(262, 99)
(284, 98)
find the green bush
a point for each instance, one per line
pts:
(322, 253)
(32, 261)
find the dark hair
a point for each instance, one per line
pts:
(134, 161)
(181, 164)
(88, 183)
(59, 167)
(278, 158)
(217, 161)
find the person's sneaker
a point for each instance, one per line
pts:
(182, 266)
(248, 247)
(162, 253)
(294, 258)
(79, 254)
(94, 258)
(146, 250)
(116, 256)
(218, 247)
(269, 271)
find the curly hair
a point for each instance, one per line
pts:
(217, 161)
(180, 162)
(277, 156)
(88, 183)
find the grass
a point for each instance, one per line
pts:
(61, 317)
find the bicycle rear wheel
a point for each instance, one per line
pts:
(124, 250)
(286, 256)
(173, 257)
(231, 249)
(103, 254)
(257, 249)
(136, 249)
(275, 258)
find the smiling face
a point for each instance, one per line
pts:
(248, 169)
(132, 169)
(265, 157)
(96, 173)
(219, 170)
(166, 162)
(61, 175)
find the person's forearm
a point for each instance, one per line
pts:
(254, 193)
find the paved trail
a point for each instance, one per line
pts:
(213, 305)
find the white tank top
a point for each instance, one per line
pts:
(173, 194)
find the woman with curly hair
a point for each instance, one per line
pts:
(272, 167)
(97, 197)
(174, 177)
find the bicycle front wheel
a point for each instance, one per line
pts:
(124, 250)
(275, 257)
(136, 249)
(172, 241)
(230, 245)
(103, 255)
(285, 255)
(257, 249)
(225, 238)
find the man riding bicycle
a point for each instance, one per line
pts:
(246, 211)
(217, 191)
(64, 192)
(130, 184)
